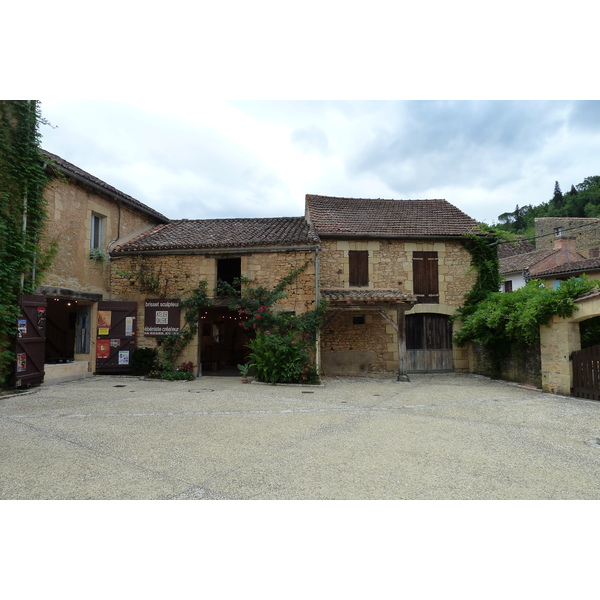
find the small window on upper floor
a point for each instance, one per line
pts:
(508, 286)
(97, 231)
(359, 268)
(558, 231)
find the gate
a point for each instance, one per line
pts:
(31, 340)
(586, 373)
(116, 337)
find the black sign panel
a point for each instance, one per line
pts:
(161, 317)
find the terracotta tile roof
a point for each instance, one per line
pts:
(69, 169)
(368, 217)
(520, 246)
(578, 266)
(522, 262)
(213, 234)
(367, 295)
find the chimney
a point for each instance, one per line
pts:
(565, 243)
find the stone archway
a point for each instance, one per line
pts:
(559, 339)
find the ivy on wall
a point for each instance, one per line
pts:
(22, 215)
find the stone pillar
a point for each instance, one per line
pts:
(557, 340)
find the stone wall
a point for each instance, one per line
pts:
(360, 349)
(521, 364)
(585, 231)
(178, 274)
(70, 211)
(390, 266)
(559, 339)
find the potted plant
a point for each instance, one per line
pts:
(244, 372)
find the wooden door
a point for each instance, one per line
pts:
(116, 337)
(429, 343)
(586, 373)
(31, 340)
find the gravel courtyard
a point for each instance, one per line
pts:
(443, 436)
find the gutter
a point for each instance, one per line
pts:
(244, 250)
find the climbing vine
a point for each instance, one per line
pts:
(282, 345)
(503, 321)
(22, 215)
(173, 345)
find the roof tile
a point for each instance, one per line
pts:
(213, 234)
(332, 216)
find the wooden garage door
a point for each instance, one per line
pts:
(429, 343)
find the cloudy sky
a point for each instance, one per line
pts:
(206, 159)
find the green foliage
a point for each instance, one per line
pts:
(590, 332)
(145, 277)
(582, 200)
(283, 343)
(173, 345)
(22, 215)
(144, 360)
(503, 319)
(98, 255)
(279, 358)
(484, 260)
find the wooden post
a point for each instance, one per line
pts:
(402, 375)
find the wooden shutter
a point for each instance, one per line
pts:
(425, 275)
(359, 268)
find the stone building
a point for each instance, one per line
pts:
(394, 272)
(585, 232)
(182, 254)
(86, 217)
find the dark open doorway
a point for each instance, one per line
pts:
(223, 341)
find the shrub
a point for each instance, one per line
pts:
(143, 360)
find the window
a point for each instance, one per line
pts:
(359, 268)
(358, 320)
(558, 231)
(97, 231)
(425, 275)
(508, 286)
(229, 270)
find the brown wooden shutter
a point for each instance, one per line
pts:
(425, 275)
(359, 268)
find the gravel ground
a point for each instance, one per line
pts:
(445, 436)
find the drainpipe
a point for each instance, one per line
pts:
(317, 294)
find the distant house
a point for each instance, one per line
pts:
(585, 231)
(518, 269)
(589, 266)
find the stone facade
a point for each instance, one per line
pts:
(559, 339)
(586, 233)
(70, 209)
(372, 347)
(180, 273)
(390, 266)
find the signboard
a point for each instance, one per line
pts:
(161, 317)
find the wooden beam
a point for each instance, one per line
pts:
(402, 374)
